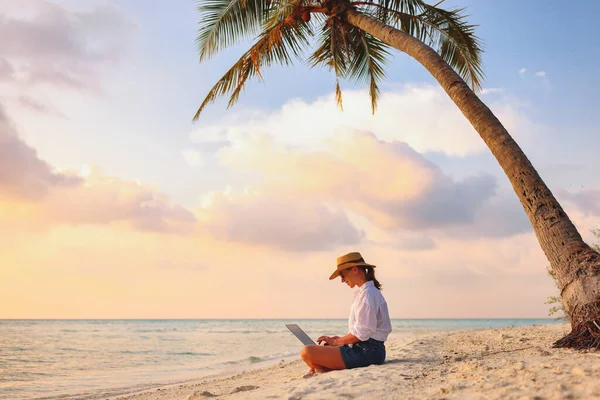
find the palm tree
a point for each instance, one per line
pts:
(354, 38)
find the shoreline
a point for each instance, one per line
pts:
(499, 363)
(122, 392)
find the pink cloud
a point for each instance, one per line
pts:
(107, 200)
(22, 173)
(586, 200)
(52, 43)
(388, 182)
(66, 197)
(278, 219)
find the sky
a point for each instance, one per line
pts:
(114, 204)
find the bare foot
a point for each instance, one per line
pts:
(314, 371)
(310, 374)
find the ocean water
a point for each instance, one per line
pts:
(87, 359)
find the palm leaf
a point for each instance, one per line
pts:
(225, 22)
(457, 43)
(281, 10)
(338, 95)
(444, 30)
(331, 53)
(351, 53)
(279, 44)
(369, 57)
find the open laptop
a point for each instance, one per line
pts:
(300, 334)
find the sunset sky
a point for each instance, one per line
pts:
(113, 204)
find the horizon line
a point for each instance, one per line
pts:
(261, 319)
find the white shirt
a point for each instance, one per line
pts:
(369, 317)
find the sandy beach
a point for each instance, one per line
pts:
(507, 363)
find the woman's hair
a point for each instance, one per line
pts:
(370, 274)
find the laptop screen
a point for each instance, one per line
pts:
(300, 334)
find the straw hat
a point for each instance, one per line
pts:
(348, 261)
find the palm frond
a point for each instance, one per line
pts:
(386, 7)
(333, 53)
(280, 44)
(283, 9)
(225, 22)
(369, 56)
(446, 31)
(284, 32)
(351, 54)
(338, 95)
(457, 43)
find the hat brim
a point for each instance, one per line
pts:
(336, 273)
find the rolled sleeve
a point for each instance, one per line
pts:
(365, 322)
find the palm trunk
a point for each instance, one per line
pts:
(576, 265)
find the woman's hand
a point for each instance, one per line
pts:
(329, 340)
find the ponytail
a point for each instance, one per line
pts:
(370, 274)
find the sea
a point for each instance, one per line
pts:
(93, 359)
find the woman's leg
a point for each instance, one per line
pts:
(322, 358)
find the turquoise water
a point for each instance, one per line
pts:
(95, 358)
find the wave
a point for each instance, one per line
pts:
(156, 330)
(245, 331)
(73, 349)
(170, 353)
(136, 352)
(268, 357)
(189, 353)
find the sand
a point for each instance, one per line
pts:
(507, 363)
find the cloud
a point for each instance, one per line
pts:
(192, 157)
(107, 200)
(32, 104)
(52, 43)
(587, 200)
(545, 82)
(6, 70)
(491, 90)
(389, 184)
(518, 254)
(404, 240)
(463, 293)
(34, 194)
(311, 150)
(502, 215)
(421, 116)
(277, 219)
(23, 174)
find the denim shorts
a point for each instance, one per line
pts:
(364, 353)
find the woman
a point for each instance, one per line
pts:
(368, 325)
